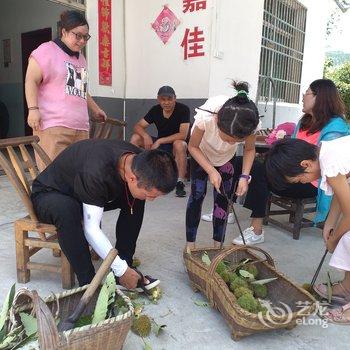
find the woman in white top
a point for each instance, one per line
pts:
(220, 125)
(294, 161)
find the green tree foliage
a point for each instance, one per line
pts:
(341, 77)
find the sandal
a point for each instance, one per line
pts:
(321, 290)
(337, 315)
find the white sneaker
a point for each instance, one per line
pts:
(250, 237)
(209, 218)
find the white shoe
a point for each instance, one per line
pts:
(209, 218)
(250, 237)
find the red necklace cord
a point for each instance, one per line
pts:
(130, 204)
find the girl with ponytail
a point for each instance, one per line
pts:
(220, 125)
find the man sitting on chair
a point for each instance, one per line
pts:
(172, 120)
(93, 176)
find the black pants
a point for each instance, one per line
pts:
(66, 214)
(255, 200)
(298, 190)
(259, 189)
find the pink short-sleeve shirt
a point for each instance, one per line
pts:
(62, 94)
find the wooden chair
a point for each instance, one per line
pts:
(20, 167)
(295, 208)
(110, 128)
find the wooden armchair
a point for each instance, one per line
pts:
(110, 128)
(20, 167)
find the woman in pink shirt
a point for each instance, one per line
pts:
(56, 88)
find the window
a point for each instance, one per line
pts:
(282, 49)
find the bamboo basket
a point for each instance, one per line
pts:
(242, 322)
(109, 334)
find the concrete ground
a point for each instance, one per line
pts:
(160, 249)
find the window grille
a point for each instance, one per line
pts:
(282, 49)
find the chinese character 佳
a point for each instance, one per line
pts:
(191, 41)
(193, 5)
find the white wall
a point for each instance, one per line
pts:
(150, 63)
(315, 41)
(236, 37)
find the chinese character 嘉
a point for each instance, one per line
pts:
(193, 5)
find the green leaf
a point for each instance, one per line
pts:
(245, 261)
(122, 310)
(329, 277)
(111, 287)
(101, 307)
(246, 274)
(156, 328)
(136, 262)
(132, 295)
(5, 309)
(83, 321)
(11, 338)
(206, 259)
(26, 340)
(30, 323)
(9, 341)
(147, 346)
(329, 288)
(264, 281)
(201, 303)
(236, 267)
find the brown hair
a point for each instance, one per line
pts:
(328, 104)
(70, 20)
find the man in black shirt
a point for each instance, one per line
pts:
(172, 120)
(89, 177)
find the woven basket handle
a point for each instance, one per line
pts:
(227, 252)
(47, 330)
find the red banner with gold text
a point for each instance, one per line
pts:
(104, 42)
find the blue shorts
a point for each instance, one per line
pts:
(168, 147)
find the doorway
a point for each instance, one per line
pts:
(30, 41)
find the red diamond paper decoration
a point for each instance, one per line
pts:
(165, 24)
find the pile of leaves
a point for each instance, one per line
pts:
(110, 304)
(242, 280)
(17, 331)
